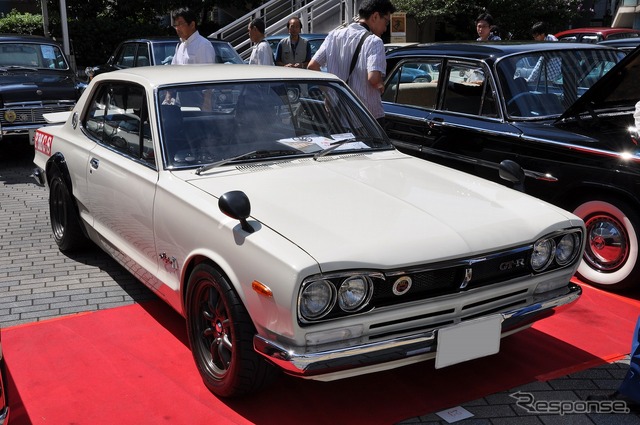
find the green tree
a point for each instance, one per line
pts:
(21, 23)
(97, 26)
(454, 19)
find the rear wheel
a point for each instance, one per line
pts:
(221, 336)
(65, 223)
(611, 255)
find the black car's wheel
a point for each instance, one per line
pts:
(221, 336)
(65, 223)
(611, 254)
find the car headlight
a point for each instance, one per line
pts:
(543, 251)
(354, 292)
(316, 299)
(566, 249)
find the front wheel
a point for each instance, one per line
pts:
(611, 255)
(221, 336)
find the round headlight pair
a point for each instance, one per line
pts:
(318, 298)
(547, 250)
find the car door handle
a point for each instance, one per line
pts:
(94, 163)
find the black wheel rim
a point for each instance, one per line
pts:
(213, 331)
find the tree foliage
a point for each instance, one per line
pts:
(512, 16)
(96, 27)
(21, 23)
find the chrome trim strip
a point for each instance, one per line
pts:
(310, 362)
(625, 156)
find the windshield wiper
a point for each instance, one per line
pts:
(20, 68)
(333, 146)
(252, 154)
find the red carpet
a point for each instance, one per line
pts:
(131, 365)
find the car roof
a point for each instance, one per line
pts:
(163, 38)
(308, 36)
(168, 74)
(27, 38)
(632, 41)
(484, 50)
(596, 30)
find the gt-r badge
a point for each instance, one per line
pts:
(513, 264)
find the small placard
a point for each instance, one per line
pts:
(454, 414)
(468, 340)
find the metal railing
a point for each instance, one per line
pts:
(276, 14)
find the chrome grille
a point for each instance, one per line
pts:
(445, 280)
(32, 114)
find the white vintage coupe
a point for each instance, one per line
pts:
(268, 207)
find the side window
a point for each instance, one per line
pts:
(119, 119)
(468, 91)
(142, 58)
(414, 83)
(126, 55)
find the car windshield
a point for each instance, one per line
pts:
(543, 84)
(211, 123)
(32, 55)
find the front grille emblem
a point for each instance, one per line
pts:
(10, 116)
(467, 278)
(402, 285)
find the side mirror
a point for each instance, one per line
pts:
(235, 204)
(511, 171)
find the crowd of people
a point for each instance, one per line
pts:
(354, 53)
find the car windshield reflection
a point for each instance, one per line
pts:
(544, 84)
(211, 123)
(32, 55)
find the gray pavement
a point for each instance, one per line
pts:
(38, 282)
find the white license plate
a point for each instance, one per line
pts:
(468, 340)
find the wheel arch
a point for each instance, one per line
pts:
(191, 264)
(589, 191)
(56, 165)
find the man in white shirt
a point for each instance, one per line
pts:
(193, 47)
(340, 46)
(261, 53)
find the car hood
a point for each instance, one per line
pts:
(21, 86)
(385, 209)
(617, 88)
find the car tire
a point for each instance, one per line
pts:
(65, 222)
(221, 334)
(611, 255)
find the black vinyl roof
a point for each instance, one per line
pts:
(485, 50)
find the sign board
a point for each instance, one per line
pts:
(399, 27)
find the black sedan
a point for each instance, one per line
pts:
(152, 51)
(35, 79)
(558, 110)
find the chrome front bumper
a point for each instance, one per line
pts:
(309, 363)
